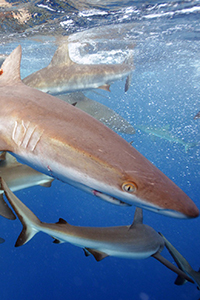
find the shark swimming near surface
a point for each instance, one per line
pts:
(164, 133)
(135, 241)
(62, 141)
(99, 111)
(18, 176)
(182, 264)
(62, 75)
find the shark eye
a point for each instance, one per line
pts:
(129, 187)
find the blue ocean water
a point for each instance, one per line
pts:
(165, 92)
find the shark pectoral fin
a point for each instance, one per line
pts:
(180, 280)
(98, 255)
(172, 267)
(128, 82)
(105, 87)
(48, 183)
(5, 210)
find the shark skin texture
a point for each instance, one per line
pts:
(61, 141)
(135, 241)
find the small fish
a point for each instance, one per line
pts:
(62, 75)
(182, 264)
(135, 241)
(18, 176)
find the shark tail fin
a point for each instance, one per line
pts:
(29, 221)
(189, 145)
(10, 69)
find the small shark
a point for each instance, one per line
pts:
(197, 116)
(62, 75)
(18, 176)
(135, 241)
(182, 264)
(164, 133)
(61, 141)
(99, 111)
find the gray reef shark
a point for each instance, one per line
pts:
(18, 176)
(164, 133)
(99, 111)
(136, 241)
(63, 75)
(182, 264)
(61, 141)
(197, 116)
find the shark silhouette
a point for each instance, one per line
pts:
(64, 142)
(135, 241)
(63, 75)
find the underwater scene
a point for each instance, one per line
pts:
(100, 149)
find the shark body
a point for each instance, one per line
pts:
(164, 133)
(64, 142)
(99, 111)
(18, 176)
(183, 265)
(135, 241)
(63, 75)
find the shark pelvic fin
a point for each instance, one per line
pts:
(105, 87)
(138, 217)
(48, 183)
(11, 68)
(98, 255)
(2, 155)
(61, 56)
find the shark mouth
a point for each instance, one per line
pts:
(110, 199)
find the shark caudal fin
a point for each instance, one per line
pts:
(10, 69)
(29, 221)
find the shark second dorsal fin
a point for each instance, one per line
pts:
(138, 217)
(61, 221)
(98, 255)
(11, 68)
(61, 56)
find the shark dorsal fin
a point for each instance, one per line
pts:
(61, 221)
(11, 68)
(138, 217)
(61, 56)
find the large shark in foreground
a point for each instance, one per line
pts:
(60, 140)
(18, 176)
(182, 264)
(136, 241)
(63, 75)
